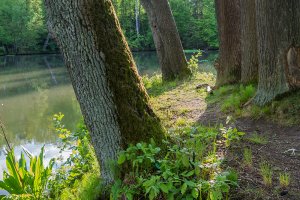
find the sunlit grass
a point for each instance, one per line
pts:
(266, 172)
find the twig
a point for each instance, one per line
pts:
(4, 135)
(292, 150)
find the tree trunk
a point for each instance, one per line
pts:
(110, 92)
(137, 15)
(166, 39)
(249, 63)
(278, 27)
(228, 65)
(46, 42)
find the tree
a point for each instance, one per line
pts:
(111, 95)
(21, 23)
(249, 56)
(228, 65)
(278, 27)
(166, 39)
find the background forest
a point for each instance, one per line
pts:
(23, 27)
(178, 123)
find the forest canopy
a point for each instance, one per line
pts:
(23, 25)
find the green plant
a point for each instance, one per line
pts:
(193, 62)
(248, 157)
(284, 179)
(188, 170)
(235, 101)
(266, 173)
(156, 86)
(230, 134)
(26, 182)
(257, 139)
(81, 161)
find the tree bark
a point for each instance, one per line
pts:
(228, 65)
(249, 55)
(278, 27)
(166, 39)
(110, 92)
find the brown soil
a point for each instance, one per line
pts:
(275, 152)
(280, 139)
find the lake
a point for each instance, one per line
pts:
(34, 88)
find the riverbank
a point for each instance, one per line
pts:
(2, 52)
(185, 104)
(272, 133)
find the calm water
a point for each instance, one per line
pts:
(34, 88)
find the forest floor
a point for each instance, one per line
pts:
(187, 103)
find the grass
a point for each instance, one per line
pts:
(255, 138)
(178, 102)
(248, 157)
(88, 187)
(284, 179)
(266, 172)
(232, 98)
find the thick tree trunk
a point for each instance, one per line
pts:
(228, 65)
(111, 95)
(166, 39)
(278, 27)
(249, 55)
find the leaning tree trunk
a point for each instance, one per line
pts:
(278, 27)
(228, 65)
(111, 95)
(249, 63)
(166, 39)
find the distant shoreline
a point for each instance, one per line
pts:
(134, 51)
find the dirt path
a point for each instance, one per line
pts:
(279, 152)
(186, 104)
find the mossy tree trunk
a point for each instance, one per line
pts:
(249, 56)
(166, 39)
(228, 65)
(110, 92)
(278, 27)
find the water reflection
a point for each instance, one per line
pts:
(34, 88)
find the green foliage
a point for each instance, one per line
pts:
(230, 133)
(26, 182)
(156, 86)
(88, 187)
(248, 157)
(195, 29)
(80, 161)
(21, 24)
(193, 63)
(284, 179)
(236, 100)
(189, 169)
(256, 138)
(266, 173)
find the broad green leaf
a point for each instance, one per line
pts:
(195, 193)
(12, 168)
(183, 188)
(185, 161)
(121, 159)
(164, 187)
(129, 196)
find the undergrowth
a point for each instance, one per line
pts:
(189, 169)
(232, 100)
